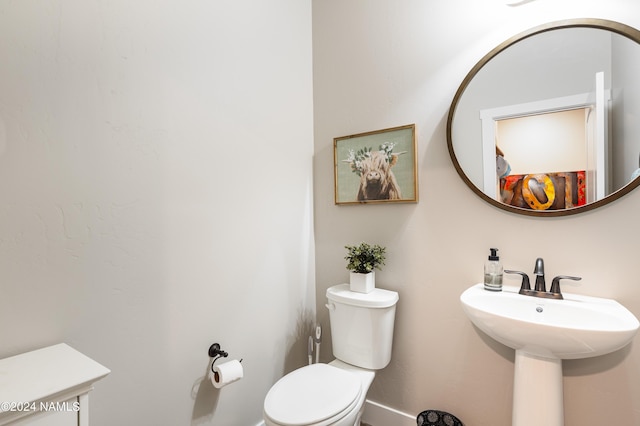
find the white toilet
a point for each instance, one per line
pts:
(334, 394)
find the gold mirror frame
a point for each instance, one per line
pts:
(615, 27)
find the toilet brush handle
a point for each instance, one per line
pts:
(318, 340)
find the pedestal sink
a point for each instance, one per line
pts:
(543, 332)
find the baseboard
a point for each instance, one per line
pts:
(376, 414)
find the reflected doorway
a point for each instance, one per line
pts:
(543, 138)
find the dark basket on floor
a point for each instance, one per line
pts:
(437, 418)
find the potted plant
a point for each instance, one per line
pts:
(362, 260)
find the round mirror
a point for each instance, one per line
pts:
(548, 123)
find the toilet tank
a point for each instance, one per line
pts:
(362, 325)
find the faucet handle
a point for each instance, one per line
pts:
(555, 283)
(525, 279)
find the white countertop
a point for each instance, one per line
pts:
(46, 373)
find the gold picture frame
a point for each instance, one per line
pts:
(376, 167)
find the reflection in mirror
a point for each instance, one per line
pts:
(547, 123)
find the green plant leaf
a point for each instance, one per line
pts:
(364, 258)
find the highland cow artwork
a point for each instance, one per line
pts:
(376, 167)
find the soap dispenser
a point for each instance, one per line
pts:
(493, 272)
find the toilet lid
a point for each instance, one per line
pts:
(311, 394)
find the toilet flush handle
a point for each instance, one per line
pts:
(330, 306)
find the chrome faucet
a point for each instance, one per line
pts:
(540, 289)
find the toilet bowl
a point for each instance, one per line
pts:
(334, 394)
(319, 395)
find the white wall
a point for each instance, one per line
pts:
(626, 104)
(155, 187)
(379, 64)
(552, 141)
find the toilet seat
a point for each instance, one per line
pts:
(317, 394)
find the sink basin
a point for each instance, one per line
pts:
(576, 327)
(543, 332)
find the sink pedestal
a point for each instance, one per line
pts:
(537, 391)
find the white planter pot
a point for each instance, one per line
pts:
(362, 283)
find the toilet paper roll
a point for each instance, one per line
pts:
(225, 373)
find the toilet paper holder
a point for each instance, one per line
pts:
(216, 352)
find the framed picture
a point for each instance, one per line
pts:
(376, 167)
